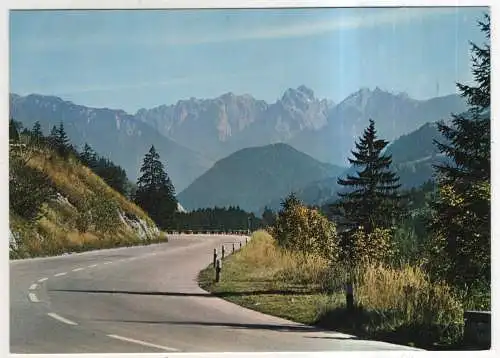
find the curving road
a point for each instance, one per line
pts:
(146, 299)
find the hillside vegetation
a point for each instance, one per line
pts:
(58, 205)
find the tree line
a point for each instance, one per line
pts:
(59, 142)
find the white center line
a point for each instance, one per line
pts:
(77, 269)
(33, 286)
(33, 297)
(60, 274)
(94, 265)
(43, 279)
(108, 262)
(142, 343)
(61, 319)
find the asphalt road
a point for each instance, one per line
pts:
(146, 299)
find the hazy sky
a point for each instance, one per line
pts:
(142, 58)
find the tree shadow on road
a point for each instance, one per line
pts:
(191, 294)
(256, 326)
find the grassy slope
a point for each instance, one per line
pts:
(249, 278)
(302, 289)
(55, 231)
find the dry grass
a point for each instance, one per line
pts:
(398, 305)
(55, 232)
(407, 290)
(257, 277)
(78, 182)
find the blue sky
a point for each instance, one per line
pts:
(131, 59)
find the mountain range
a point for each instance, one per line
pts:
(193, 134)
(221, 126)
(112, 133)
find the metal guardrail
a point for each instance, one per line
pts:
(208, 232)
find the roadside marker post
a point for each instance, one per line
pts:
(349, 296)
(233, 247)
(218, 269)
(215, 256)
(223, 252)
(240, 245)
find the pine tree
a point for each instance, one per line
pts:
(88, 156)
(52, 139)
(268, 217)
(461, 250)
(373, 200)
(13, 131)
(155, 192)
(36, 132)
(62, 143)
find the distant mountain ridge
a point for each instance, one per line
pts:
(394, 115)
(112, 133)
(223, 125)
(413, 157)
(220, 126)
(193, 134)
(252, 176)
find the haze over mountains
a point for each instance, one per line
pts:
(221, 126)
(251, 177)
(112, 133)
(193, 134)
(318, 127)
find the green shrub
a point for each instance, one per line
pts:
(302, 229)
(29, 189)
(105, 214)
(371, 247)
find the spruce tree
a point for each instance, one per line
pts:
(155, 192)
(461, 221)
(13, 131)
(88, 156)
(371, 198)
(62, 141)
(268, 217)
(36, 132)
(53, 137)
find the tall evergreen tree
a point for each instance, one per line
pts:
(155, 192)
(372, 198)
(461, 223)
(88, 156)
(36, 132)
(13, 131)
(268, 217)
(62, 143)
(52, 139)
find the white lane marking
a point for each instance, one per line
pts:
(94, 265)
(62, 319)
(33, 286)
(142, 343)
(43, 279)
(108, 262)
(77, 269)
(60, 274)
(33, 297)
